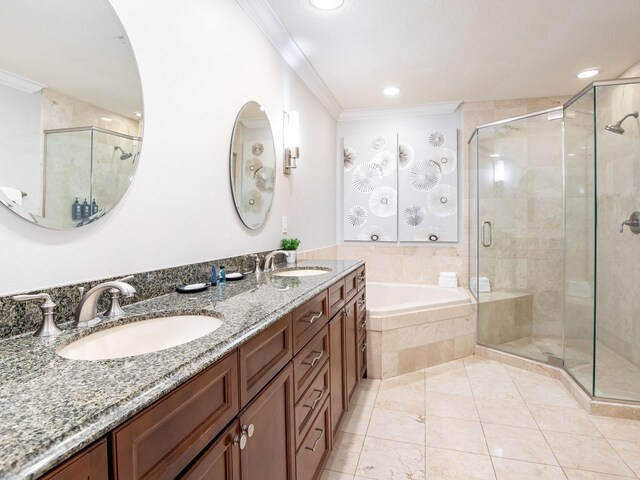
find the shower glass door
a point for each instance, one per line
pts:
(520, 235)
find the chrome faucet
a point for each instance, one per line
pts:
(87, 311)
(48, 328)
(115, 310)
(268, 259)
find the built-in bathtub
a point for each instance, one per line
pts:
(411, 327)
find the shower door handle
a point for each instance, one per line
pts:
(484, 236)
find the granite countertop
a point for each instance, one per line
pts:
(52, 407)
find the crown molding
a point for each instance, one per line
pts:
(439, 108)
(20, 83)
(262, 14)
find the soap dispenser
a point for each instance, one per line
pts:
(222, 276)
(214, 275)
(86, 209)
(76, 210)
(94, 207)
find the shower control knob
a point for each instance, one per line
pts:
(633, 223)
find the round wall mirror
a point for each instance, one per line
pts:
(70, 111)
(252, 164)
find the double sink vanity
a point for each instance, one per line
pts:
(256, 389)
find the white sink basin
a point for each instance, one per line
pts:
(300, 272)
(140, 337)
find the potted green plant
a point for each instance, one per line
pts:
(290, 245)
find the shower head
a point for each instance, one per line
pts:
(617, 127)
(125, 155)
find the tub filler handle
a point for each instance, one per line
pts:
(314, 316)
(484, 236)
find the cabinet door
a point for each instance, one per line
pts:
(89, 464)
(162, 440)
(351, 348)
(268, 423)
(337, 359)
(221, 461)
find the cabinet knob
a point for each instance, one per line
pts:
(248, 430)
(241, 441)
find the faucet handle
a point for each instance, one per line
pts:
(633, 223)
(115, 310)
(48, 328)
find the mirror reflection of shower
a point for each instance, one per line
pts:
(125, 155)
(617, 127)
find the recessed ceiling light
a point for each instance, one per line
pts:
(391, 91)
(588, 73)
(326, 4)
(137, 114)
(106, 119)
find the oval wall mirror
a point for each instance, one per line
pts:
(252, 164)
(70, 109)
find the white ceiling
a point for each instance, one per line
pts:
(76, 47)
(469, 50)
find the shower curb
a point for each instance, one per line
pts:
(593, 406)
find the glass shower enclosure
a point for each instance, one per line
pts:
(552, 265)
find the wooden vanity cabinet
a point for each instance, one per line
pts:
(92, 463)
(221, 461)
(337, 355)
(163, 439)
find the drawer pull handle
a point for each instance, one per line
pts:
(361, 302)
(319, 397)
(361, 278)
(315, 359)
(315, 444)
(314, 317)
(364, 347)
(363, 325)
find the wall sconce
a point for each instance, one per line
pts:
(291, 141)
(498, 171)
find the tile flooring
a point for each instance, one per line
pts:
(476, 419)
(616, 377)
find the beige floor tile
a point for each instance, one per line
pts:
(331, 475)
(405, 393)
(386, 459)
(584, 475)
(505, 412)
(563, 419)
(497, 390)
(455, 434)
(357, 420)
(617, 428)
(516, 470)
(449, 383)
(397, 425)
(346, 452)
(366, 392)
(491, 371)
(455, 367)
(546, 392)
(451, 406)
(630, 453)
(517, 443)
(586, 453)
(450, 465)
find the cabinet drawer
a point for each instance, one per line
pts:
(220, 461)
(163, 439)
(308, 319)
(90, 464)
(315, 447)
(337, 297)
(362, 277)
(310, 402)
(362, 357)
(262, 357)
(310, 361)
(351, 285)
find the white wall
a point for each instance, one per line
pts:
(200, 61)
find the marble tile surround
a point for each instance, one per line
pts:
(18, 318)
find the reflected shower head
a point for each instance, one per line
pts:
(125, 155)
(617, 127)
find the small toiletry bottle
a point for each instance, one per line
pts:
(222, 276)
(76, 210)
(86, 209)
(214, 275)
(94, 207)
